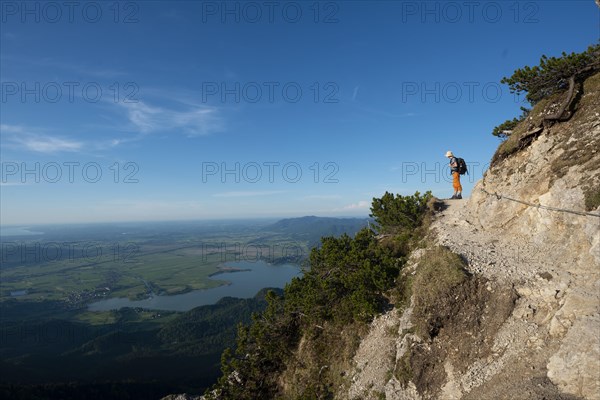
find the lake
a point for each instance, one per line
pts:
(243, 284)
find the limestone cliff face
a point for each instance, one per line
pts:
(546, 343)
(557, 170)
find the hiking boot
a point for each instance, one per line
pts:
(459, 196)
(453, 197)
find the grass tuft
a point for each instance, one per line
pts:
(439, 271)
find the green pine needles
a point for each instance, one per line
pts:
(395, 214)
(553, 75)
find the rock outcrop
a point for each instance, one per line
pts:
(548, 345)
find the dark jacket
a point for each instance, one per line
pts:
(453, 161)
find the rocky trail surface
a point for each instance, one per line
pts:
(552, 298)
(506, 259)
(541, 351)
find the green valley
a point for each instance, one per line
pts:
(51, 340)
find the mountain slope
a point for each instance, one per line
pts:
(536, 333)
(494, 297)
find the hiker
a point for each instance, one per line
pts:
(455, 176)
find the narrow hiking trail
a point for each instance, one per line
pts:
(506, 259)
(552, 296)
(545, 338)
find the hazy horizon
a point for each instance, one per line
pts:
(232, 219)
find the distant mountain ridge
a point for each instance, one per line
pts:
(312, 228)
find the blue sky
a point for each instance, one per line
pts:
(155, 110)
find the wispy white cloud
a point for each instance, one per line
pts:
(191, 120)
(49, 144)
(355, 93)
(38, 142)
(12, 184)
(249, 193)
(5, 128)
(194, 121)
(363, 204)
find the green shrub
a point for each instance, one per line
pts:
(505, 129)
(552, 75)
(549, 78)
(346, 281)
(395, 214)
(346, 286)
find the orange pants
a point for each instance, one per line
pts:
(456, 182)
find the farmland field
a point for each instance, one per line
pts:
(51, 276)
(135, 265)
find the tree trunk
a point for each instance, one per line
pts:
(560, 115)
